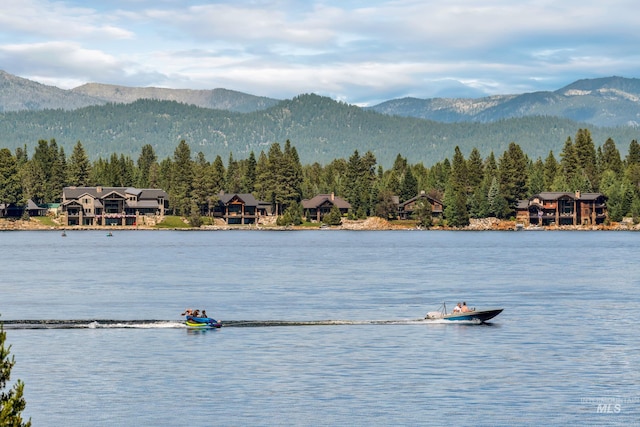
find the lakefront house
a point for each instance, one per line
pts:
(240, 208)
(118, 206)
(320, 205)
(563, 208)
(405, 209)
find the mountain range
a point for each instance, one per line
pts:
(109, 118)
(608, 101)
(611, 101)
(18, 94)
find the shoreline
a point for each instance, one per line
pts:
(369, 224)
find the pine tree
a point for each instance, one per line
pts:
(455, 197)
(10, 187)
(439, 175)
(409, 186)
(512, 175)
(12, 402)
(633, 156)
(536, 177)
(79, 168)
(569, 163)
(292, 175)
(261, 187)
(391, 182)
(181, 179)
(611, 159)
(45, 175)
(370, 181)
(125, 171)
(219, 173)
(586, 154)
(249, 178)
(202, 188)
(550, 170)
(359, 180)
(165, 171)
(475, 170)
(497, 204)
(232, 179)
(478, 204)
(145, 162)
(58, 175)
(272, 177)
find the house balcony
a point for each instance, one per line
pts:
(238, 215)
(116, 215)
(545, 215)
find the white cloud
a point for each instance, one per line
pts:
(40, 18)
(68, 61)
(354, 51)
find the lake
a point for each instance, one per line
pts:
(324, 327)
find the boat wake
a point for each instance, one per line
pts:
(92, 324)
(179, 324)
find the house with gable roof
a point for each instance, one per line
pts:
(122, 206)
(405, 209)
(320, 205)
(240, 208)
(563, 208)
(13, 210)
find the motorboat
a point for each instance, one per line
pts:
(478, 316)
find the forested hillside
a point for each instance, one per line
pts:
(321, 129)
(470, 186)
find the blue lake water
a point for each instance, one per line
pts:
(563, 352)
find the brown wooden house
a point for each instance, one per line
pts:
(240, 208)
(320, 205)
(405, 209)
(123, 206)
(563, 208)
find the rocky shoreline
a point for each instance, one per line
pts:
(372, 223)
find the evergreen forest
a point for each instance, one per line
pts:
(471, 187)
(322, 129)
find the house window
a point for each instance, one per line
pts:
(566, 207)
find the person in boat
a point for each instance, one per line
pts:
(457, 308)
(465, 309)
(187, 312)
(204, 313)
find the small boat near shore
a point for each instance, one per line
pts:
(478, 316)
(202, 322)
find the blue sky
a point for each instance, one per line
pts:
(360, 52)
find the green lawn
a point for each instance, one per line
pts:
(46, 220)
(173, 222)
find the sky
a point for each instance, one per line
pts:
(358, 52)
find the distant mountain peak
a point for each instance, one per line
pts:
(17, 94)
(219, 99)
(606, 101)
